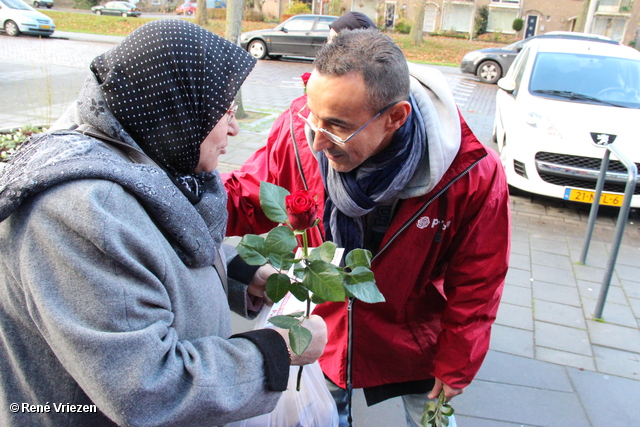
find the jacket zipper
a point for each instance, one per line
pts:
(349, 357)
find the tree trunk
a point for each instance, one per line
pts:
(201, 13)
(232, 33)
(418, 22)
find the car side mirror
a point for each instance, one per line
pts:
(507, 84)
(284, 30)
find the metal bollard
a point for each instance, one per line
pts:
(632, 176)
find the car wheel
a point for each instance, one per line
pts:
(98, 12)
(36, 4)
(11, 28)
(123, 14)
(257, 49)
(49, 6)
(189, 12)
(489, 72)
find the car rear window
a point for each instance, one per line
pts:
(323, 24)
(16, 4)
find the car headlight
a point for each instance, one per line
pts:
(541, 122)
(471, 56)
(244, 37)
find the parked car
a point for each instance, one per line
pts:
(120, 8)
(491, 64)
(560, 102)
(301, 35)
(47, 3)
(17, 17)
(186, 9)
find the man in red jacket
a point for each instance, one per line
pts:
(397, 171)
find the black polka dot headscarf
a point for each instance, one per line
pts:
(169, 83)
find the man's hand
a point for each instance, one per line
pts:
(449, 392)
(257, 287)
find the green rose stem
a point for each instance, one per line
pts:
(305, 254)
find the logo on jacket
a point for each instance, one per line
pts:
(425, 221)
(602, 138)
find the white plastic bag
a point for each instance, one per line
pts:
(313, 405)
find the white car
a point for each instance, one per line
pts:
(17, 17)
(560, 102)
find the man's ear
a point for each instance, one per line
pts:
(398, 114)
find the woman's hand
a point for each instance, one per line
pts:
(315, 324)
(257, 286)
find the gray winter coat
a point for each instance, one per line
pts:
(100, 312)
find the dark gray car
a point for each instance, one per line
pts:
(301, 35)
(491, 64)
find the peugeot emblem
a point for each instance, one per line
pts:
(602, 138)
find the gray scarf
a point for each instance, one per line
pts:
(379, 179)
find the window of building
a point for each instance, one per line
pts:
(458, 18)
(501, 20)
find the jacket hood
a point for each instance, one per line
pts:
(442, 122)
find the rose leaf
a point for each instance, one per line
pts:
(358, 258)
(278, 284)
(251, 249)
(362, 285)
(299, 339)
(281, 261)
(324, 280)
(284, 322)
(272, 202)
(324, 252)
(280, 240)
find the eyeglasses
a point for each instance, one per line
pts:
(232, 111)
(335, 138)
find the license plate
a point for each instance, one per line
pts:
(586, 196)
(45, 27)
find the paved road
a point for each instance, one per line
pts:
(550, 363)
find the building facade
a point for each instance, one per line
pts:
(617, 19)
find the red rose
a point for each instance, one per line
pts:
(301, 210)
(305, 78)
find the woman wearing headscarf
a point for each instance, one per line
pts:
(111, 309)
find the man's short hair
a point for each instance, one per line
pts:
(376, 57)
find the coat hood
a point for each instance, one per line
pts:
(442, 122)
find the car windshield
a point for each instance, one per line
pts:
(513, 46)
(587, 78)
(16, 4)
